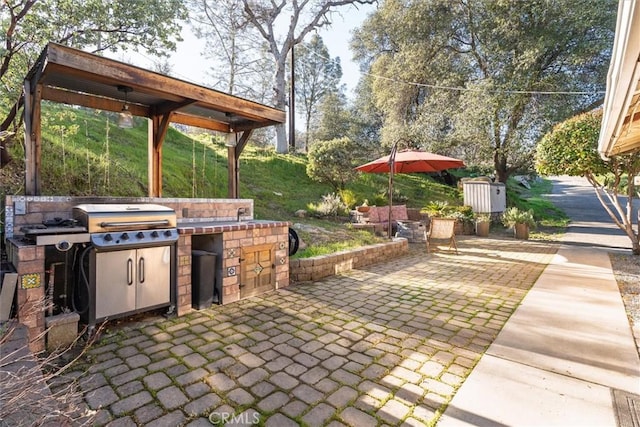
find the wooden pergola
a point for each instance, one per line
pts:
(71, 76)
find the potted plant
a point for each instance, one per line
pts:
(437, 209)
(464, 217)
(520, 220)
(483, 223)
(364, 207)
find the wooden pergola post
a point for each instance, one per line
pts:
(32, 137)
(158, 131)
(235, 147)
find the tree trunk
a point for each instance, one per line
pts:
(500, 164)
(5, 158)
(282, 146)
(623, 220)
(280, 98)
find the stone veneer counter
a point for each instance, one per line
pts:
(212, 227)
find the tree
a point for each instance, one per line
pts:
(334, 119)
(481, 79)
(332, 162)
(238, 63)
(97, 25)
(264, 16)
(571, 148)
(317, 76)
(365, 118)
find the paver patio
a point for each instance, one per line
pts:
(388, 344)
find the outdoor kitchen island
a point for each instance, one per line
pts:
(251, 255)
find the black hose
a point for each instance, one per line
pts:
(85, 281)
(294, 242)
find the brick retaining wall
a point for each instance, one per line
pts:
(315, 268)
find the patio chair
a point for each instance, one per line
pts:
(442, 229)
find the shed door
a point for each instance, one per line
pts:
(257, 274)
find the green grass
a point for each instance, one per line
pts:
(85, 153)
(534, 198)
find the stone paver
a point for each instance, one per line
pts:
(342, 397)
(131, 403)
(203, 405)
(274, 401)
(318, 415)
(172, 397)
(147, 413)
(101, 397)
(385, 345)
(157, 381)
(283, 380)
(355, 417)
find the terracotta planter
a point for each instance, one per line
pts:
(363, 209)
(482, 228)
(468, 228)
(521, 231)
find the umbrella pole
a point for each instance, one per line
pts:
(392, 162)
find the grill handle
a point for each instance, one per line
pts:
(163, 223)
(141, 270)
(129, 272)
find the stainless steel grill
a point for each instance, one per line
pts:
(121, 226)
(130, 264)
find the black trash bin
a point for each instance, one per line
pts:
(203, 278)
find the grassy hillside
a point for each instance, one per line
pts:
(85, 153)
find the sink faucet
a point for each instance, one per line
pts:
(241, 211)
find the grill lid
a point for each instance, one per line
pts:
(112, 217)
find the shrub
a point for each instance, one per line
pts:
(513, 216)
(437, 209)
(349, 198)
(380, 199)
(440, 209)
(483, 217)
(331, 205)
(331, 162)
(461, 213)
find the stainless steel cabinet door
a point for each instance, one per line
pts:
(153, 275)
(115, 282)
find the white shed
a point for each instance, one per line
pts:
(485, 197)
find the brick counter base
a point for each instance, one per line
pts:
(316, 268)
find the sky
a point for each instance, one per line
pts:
(187, 63)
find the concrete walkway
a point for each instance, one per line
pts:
(559, 356)
(568, 346)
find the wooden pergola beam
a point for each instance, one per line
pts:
(85, 66)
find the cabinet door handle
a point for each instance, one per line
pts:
(129, 272)
(141, 270)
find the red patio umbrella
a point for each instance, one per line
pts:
(408, 161)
